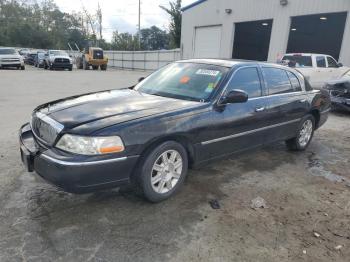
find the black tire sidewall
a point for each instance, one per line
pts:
(146, 170)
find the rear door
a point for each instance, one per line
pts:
(207, 42)
(287, 101)
(239, 126)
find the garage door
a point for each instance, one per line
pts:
(207, 42)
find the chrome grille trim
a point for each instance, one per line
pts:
(44, 128)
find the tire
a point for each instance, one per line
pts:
(85, 65)
(103, 67)
(304, 134)
(23, 68)
(94, 67)
(45, 66)
(170, 177)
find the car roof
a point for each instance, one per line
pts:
(304, 54)
(219, 62)
(232, 63)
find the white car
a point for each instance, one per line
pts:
(9, 57)
(317, 68)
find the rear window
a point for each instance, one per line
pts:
(298, 60)
(98, 54)
(277, 81)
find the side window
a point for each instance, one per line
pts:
(248, 80)
(320, 61)
(332, 62)
(277, 81)
(294, 81)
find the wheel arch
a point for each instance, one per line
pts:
(181, 139)
(316, 114)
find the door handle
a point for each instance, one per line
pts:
(259, 109)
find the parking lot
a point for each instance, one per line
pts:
(307, 196)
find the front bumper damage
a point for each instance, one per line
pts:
(340, 94)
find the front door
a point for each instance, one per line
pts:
(239, 126)
(321, 74)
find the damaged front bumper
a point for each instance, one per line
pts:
(340, 94)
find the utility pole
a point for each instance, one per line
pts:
(139, 29)
(99, 17)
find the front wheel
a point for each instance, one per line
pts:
(23, 67)
(304, 134)
(162, 171)
(103, 67)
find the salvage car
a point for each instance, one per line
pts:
(317, 68)
(9, 57)
(339, 91)
(57, 59)
(183, 115)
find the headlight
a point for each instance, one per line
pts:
(85, 145)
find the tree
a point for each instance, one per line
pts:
(154, 38)
(124, 41)
(175, 24)
(38, 25)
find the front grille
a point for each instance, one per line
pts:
(61, 61)
(45, 128)
(9, 60)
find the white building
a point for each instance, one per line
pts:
(265, 29)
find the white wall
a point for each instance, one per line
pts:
(212, 12)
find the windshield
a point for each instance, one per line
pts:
(8, 51)
(58, 53)
(41, 55)
(298, 60)
(188, 81)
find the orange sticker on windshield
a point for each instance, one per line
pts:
(185, 80)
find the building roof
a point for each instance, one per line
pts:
(192, 5)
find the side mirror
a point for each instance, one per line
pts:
(141, 79)
(340, 65)
(70, 56)
(234, 96)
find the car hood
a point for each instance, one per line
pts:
(10, 56)
(102, 109)
(59, 56)
(344, 79)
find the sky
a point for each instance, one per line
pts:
(122, 15)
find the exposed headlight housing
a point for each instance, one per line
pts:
(84, 145)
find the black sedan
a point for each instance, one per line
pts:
(183, 115)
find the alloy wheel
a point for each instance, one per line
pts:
(305, 133)
(166, 171)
